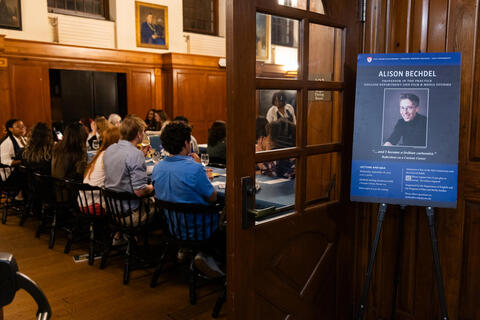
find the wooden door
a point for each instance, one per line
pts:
(295, 263)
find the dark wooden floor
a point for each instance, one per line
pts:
(80, 291)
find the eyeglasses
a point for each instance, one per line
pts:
(405, 108)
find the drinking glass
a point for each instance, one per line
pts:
(145, 141)
(157, 156)
(205, 159)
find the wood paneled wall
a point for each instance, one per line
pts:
(181, 84)
(196, 89)
(428, 26)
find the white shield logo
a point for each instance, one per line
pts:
(369, 59)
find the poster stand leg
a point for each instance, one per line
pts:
(436, 258)
(398, 260)
(382, 209)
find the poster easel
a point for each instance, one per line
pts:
(438, 271)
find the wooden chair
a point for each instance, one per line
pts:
(94, 216)
(8, 190)
(188, 226)
(133, 217)
(56, 203)
(28, 192)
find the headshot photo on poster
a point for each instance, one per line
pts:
(405, 117)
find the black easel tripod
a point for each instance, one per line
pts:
(438, 271)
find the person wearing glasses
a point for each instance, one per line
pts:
(411, 129)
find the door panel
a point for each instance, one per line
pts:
(30, 99)
(140, 93)
(285, 266)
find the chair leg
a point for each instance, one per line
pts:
(5, 211)
(68, 245)
(128, 261)
(52, 232)
(25, 214)
(159, 267)
(192, 283)
(91, 252)
(220, 301)
(106, 253)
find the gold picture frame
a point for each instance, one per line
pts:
(151, 23)
(263, 36)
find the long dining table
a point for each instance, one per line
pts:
(271, 191)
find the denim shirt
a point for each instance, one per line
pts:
(125, 169)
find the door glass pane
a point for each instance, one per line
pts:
(276, 119)
(324, 120)
(275, 185)
(323, 177)
(277, 47)
(325, 53)
(317, 6)
(300, 4)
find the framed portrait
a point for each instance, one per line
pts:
(263, 36)
(151, 22)
(10, 14)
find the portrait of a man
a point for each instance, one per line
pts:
(10, 14)
(411, 129)
(152, 25)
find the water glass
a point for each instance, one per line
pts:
(157, 156)
(204, 159)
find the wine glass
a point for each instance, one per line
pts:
(204, 159)
(95, 144)
(157, 156)
(145, 141)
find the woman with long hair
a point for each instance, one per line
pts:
(150, 120)
(160, 117)
(95, 173)
(38, 152)
(69, 157)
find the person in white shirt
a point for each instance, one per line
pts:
(11, 151)
(12, 147)
(95, 171)
(280, 109)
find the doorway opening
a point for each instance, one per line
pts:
(78, 94)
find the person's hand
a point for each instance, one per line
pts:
(209, 173)
(195, 157)
(145, 149)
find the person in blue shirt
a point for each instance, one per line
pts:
(180, 178)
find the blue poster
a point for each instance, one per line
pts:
(405, 143)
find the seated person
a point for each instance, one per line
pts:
(217, 148)
(193, 141)
(280, 109)
(12, 146)
(38, 151)
(69, 156)
(124, 164)
(180, 178)
(11, 151)
(280, 134)
(95, 172)
(115, 119)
